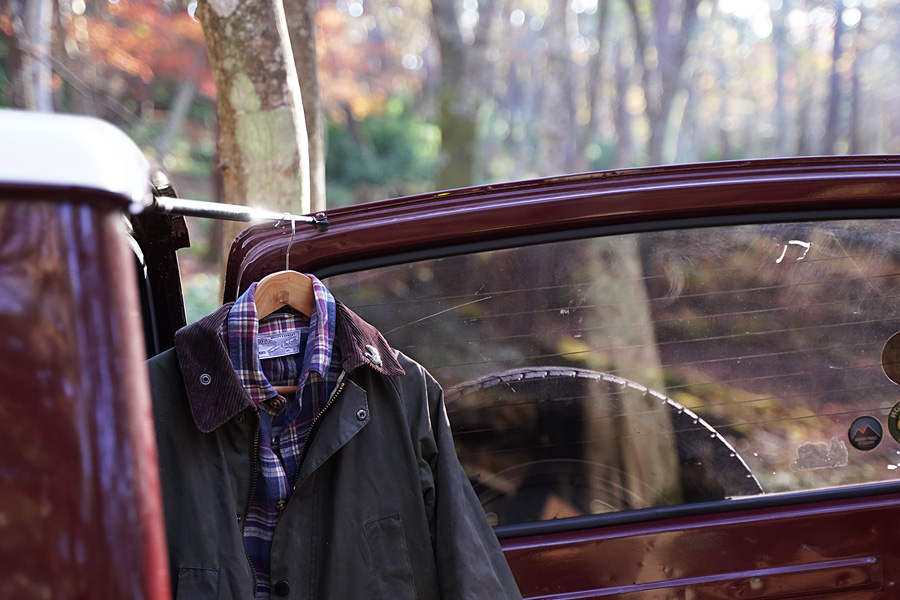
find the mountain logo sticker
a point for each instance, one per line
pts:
(865, 433)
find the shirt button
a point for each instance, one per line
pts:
(280, 506)
(281, 588)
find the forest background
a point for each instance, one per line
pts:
(420, 96)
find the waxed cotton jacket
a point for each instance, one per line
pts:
(381, 509)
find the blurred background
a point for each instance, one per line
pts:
(520, 88)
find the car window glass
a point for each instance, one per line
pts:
(655, 369)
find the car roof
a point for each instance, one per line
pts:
(51, 150)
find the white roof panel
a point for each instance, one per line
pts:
(71, 151)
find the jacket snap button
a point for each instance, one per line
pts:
(205, 379)
(280, 506)
(282, 588)
(362, 414)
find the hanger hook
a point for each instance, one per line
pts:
(287, 254)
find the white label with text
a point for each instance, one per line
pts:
(274, 345)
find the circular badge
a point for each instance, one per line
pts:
(893, 418)
(890, 358)
(866, 432)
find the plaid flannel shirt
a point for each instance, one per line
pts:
(313, 364)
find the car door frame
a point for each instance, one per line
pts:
(836, 542)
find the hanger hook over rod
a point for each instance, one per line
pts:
(287, 254)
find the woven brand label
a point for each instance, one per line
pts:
(274, 345)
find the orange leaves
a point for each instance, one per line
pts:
(5, 24)
(362, 51)
(359, 67)
(144, 39)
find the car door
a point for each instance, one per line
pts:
(675, 382)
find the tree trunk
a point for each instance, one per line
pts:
(662, 56)
(779, 39)
(177, 114)
(685, 142)
(805, 132)
(624, 150)
(643, 49)
(724, 124)
(557, 123)
(622, 296)
(80, 92)
(262, 130)
(859, 144)
(856, 146)
(461, 96)
(32, 22)
(517, 102)
(832, 124)
(594, 85)
(622, 321)
(301, 20)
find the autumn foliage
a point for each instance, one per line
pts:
(142, 40)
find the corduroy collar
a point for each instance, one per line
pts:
(214, 391)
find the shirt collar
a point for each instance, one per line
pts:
(214, 390)
(241, 332)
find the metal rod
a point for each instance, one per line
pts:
(229, 212)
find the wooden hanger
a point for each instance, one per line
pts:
(285, 288)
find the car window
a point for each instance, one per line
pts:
(654, 369)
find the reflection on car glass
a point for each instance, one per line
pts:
(545, 443)
(772, 335)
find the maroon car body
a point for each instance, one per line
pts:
(80, 509)
(80, 515)
(836, 543)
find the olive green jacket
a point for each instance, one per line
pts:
(382, 508)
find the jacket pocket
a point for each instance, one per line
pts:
(197, 584)
(390, 559)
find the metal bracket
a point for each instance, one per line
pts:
(321, 222)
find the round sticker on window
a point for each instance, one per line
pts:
(866, 432)
(890, 358)
(892, 419)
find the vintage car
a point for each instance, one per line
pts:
(668, 382)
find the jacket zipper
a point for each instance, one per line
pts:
(255, 459)
(312, 427)
(254, 471)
